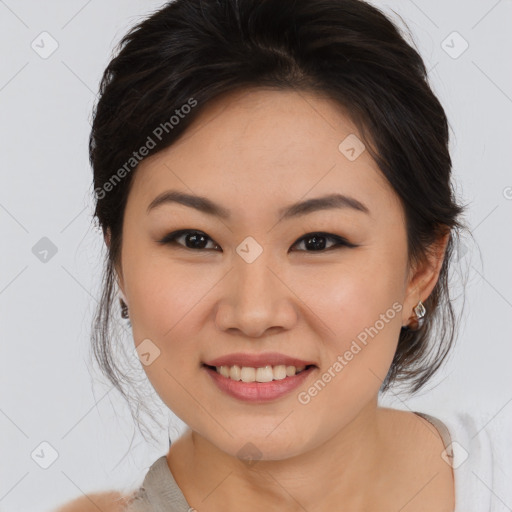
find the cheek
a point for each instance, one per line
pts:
(163, 310)
(162, 291)
(363, 312)
(167, 306)
(360, 302)
(352, 295)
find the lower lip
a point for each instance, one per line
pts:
(258, 391)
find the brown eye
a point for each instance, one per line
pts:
(193, 240)
(316, 242)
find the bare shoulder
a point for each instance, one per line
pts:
(417, 447)
(110, 501)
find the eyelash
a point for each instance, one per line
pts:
(340, 241)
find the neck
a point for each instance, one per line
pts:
(337, 471)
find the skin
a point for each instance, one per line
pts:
(341, 449)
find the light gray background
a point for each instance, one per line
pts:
(48, 393)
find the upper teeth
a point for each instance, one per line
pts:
(265, 374)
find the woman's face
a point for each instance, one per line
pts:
(253, 285)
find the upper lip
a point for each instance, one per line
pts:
(258, 360)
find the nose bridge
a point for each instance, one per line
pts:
(254, 279)
(257, 298)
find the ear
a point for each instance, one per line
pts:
(423, 278)
(118, 271)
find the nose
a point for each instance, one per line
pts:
(256, 300)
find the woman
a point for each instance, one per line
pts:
(273, 182)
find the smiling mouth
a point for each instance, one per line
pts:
(266, 373)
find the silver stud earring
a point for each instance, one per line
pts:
(416, 323)
(420, 310)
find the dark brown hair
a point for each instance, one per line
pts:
(191, 51)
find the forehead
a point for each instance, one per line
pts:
(267, 148)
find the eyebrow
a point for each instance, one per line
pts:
(205, 205)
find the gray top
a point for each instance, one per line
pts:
(160, 492)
